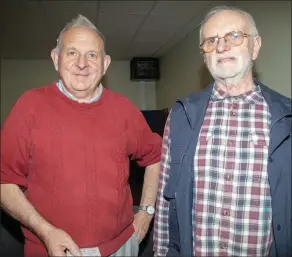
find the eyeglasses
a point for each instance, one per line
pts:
(233, 38)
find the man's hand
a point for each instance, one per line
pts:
(58, 241)
(141, 224)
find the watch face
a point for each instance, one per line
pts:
(150, 210)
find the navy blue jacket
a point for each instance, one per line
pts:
(186, 120)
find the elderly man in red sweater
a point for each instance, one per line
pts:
(65, 151)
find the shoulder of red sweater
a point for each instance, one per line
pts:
(33, 92)
(35, 95)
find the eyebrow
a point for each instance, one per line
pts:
(210, 37)
(223, 36)
(72, 48)
(75, 49)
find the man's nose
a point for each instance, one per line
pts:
(82, 62)
(222, 45)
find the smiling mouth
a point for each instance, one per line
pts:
(81, 75)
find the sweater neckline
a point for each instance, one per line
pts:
(74, 103)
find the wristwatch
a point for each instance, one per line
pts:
(149, 209)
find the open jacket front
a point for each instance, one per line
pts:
(186, 120)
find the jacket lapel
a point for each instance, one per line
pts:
(280, 129)
(196, 104)
(280, 125)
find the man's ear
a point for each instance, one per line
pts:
(106, 63)
(257, 43)
(55, 58)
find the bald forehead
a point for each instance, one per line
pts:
(224, 22)
(82, 34)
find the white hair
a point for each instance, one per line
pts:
(213, 11)
(79, 21)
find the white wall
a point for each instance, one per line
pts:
(17, 76)
(143, 94)
(183, 71)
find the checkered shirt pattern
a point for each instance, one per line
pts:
(160, 235)
(232, 203)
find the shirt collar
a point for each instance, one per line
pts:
(252, 96)
(62, 88)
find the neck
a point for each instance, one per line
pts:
(235, 86)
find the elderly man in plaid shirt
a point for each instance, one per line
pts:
(225, 182)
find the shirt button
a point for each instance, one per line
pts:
(223, 246)
(233, 113)
(230, 143)
(228, 177)
(225, 212)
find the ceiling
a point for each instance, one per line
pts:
(132, 28)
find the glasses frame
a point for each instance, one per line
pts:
(218, 38)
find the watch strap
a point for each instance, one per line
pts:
(143, 208)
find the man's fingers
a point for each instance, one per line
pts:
(58, 252)
(74, 249)
(75, 252)
(140, 236)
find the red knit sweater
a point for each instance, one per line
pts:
(72, 160)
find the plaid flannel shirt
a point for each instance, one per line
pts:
(232, 201)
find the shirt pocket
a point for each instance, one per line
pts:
(206, 136)
(259, 139)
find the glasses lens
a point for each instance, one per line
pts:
(209, 45)
(234, 38)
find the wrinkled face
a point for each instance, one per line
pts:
(227, 61)
(81, 61)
